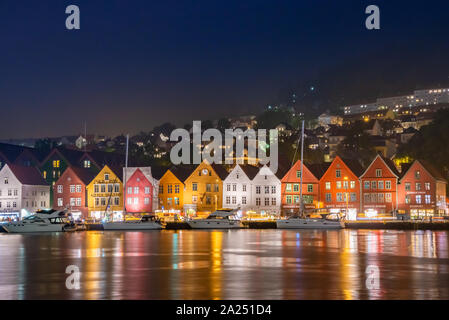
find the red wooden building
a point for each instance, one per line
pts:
(141, 190)
(70, 191)
(379, 187)
(340, 186)
(290, 189)
(422, 191)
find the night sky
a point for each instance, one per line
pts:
(136, 64)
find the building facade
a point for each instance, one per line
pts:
(422, 191)
(379, 187)
(141, 190)
(171, 189)
(237, 188)
(105, 194)
(70, 191)
(22, 191)
(266, 192)
(340, 186)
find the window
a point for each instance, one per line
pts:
(103, 201)
(378, 173)
(216, 188)
(407, 186)
(136, 190)
(288, 187)
(78, 202)
(373, 185)
(328, 197)
(328, 185)
(110, 187)
(427, 185)
(208, 200)
(310, 188)
(59, 187)
(9, 192)
(6, 181)
(228, 187)
(169, 188)
(296, 187)
(388, 185)
(418, 186)
(78, 188)
(129, 190)
(418, 198)
(86, 163)
(243, 200)
(117, 187)
(380, 198)
(136, 200)
(244, 188)
(169, 201)
(298, 173)
(96, 188)
(147, 200)
(352, 184)
(234, 200)
(116, 201)
(366, 198)
(72, 188)
(339, 197)
(194, 186)
(353, 197)
(273, 201)
(338, 184)
(427, 198)
(103, 188)
(161, 188)
(387, 197)
(56, 163)
(417, 175)
(266, 201)
(267, 189)
(407, 199)
(345, 184)
(60, 203)
(380, 185)
(258, 201)
(234, 187)
(296, 199)
(208, 187)
(338, 173)
(273, 189)
(228, 200)
(106, 176)
(97, 202)
(288, 199)
(72, 202)
(257, 189)
(147, 189)
(176, 200)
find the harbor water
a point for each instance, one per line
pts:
(234, 264)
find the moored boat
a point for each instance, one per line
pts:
(332, 221)
(41, 221)
(147, 222)
(220, 219)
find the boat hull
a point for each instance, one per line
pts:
(32, 228)
(214, 224)
(308, 224)
(124, 226)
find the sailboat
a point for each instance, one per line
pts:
(301, 221)
(146, 222)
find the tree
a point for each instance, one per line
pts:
(357, 145)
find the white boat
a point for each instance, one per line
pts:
(41, 221)
(145, 223)
(332, 221)
(220, 219)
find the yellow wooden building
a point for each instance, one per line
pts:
(204, 189)
(105, 194)
(171, 188)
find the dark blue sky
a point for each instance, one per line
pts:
(135, 64)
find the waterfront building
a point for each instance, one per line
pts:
(422, 191)
(204, 188)
(237, 188)
(22, 191)
(266, 192)
(379, 187)
(141, 194)
(171, 188)
(340, 186)
(105, 194)
(290, 189)
(70, 191)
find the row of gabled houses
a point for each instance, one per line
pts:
(90, 189)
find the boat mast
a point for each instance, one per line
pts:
(301, 170)
(124, 176)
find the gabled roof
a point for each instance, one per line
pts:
(70, 156)
(388, 163)
(102, 158)
(182, 172)
(430, 168)
(27, 175)
(249, 170)
(220, 170)
(85, 175)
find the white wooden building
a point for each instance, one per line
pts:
(22, 191)
(266, 192)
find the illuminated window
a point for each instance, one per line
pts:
(86, 163)
(338, 184)
(417, 175)
(55, 163)
(418, 198)
(427, 198)
(59, 188)
(427, 185)
(288, 188)
(136, 190)
(328, 185)
(352, 184)
(418, 186)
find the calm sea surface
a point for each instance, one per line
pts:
(237, 264)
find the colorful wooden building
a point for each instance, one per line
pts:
(204, 188)
(70, 191)
(290, 189)
(266, 192)
(379, 187)
(237, 188)
(340, 186)
(141, 190)
(422, 191)
(105, 194)
(171, 188)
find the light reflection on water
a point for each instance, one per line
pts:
(237, 264)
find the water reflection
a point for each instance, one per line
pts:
(238, 264)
